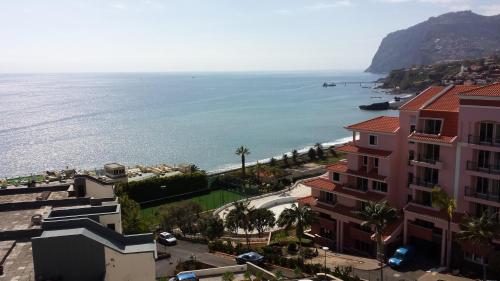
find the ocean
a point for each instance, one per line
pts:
(54, 121)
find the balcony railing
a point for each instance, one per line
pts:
(483, 141)
(427, 131)
(427, 159)
(488, 168)
(472, 192)
(356, 187)
(424, 183)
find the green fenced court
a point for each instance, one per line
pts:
(209, 201)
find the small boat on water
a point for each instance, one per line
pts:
(326, 85)
(375, 106)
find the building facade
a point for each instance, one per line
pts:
(447, 137)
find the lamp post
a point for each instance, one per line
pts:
(325, 249)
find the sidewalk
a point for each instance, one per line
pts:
(433, 276)
(336, 259)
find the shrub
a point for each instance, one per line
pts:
(159, 187)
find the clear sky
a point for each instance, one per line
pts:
(206, 35)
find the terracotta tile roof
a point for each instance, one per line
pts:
(449, 101)
(337, 208)
(308, 200)
(327, 185)
(492, 90)
(422, 98)
(383, 124)
(351, 148)
(431, 138)
(437, 214)
(343, 169)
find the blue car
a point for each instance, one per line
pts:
(185, 276)
(252, 257)
(402, 256)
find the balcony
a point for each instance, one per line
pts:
(480, 140)
(488, 168)
(472, 192)
(431, 162)
(424, 183)
(356, 187)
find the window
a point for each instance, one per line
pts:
(362, 184)
(410, 179)
(486, 132)
(379, 186)
(375, 162)
(431, 153)
(365, 160)
(327, 197)
(336, 177)
(432, 126)
(412, 128)
(482, 185)
(483, 159)
(373, 140)
(411, 155)
(431, 176)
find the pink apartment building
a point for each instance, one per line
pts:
(447, 137)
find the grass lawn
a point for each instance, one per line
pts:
(209, 201)
(18, 180)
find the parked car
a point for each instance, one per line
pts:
(185, 276)
(252, 257)
(166, 238)
(402, 256)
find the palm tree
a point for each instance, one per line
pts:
(243, 215)
(295, 156)
(319, 150)
(300, 217)
(242, 151)
(285, 160)
(480, 231)
(441, 200)
(376, 215)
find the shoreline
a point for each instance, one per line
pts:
(225, 168)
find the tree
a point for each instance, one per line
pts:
(131, 218)
(441, 200)
(262, 219)
(319, 150)
(272, 162)
(300, 217)
(376, 215)
(211, 227)
(240, 217)
(183, 215)
(242, 151)
(312, 154)
(480, 232)
(285, 160)
(295, 156)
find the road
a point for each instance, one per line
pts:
(411, 272)
(182, 252)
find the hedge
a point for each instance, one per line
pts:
(160, 187)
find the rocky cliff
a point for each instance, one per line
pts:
(452, 36)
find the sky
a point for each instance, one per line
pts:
(206, 35)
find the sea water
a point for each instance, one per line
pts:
(53, 121)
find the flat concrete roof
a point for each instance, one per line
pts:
(19, 263)
(20, 219)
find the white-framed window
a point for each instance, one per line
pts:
(432, 126)
(365, 161)
(336, 177)
(373, 140)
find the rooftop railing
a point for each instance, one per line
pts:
(424, 183)
(428, 159)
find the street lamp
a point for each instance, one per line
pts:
(325, 249)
